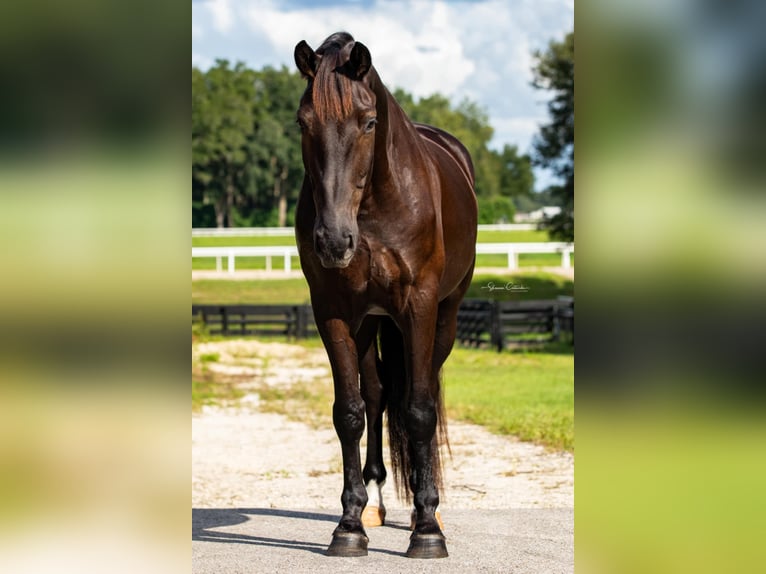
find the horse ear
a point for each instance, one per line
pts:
(305, 59)
(359, 62)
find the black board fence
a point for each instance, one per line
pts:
(504, 324)
(480, 323)
(294, 321)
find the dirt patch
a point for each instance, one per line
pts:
(243, 457)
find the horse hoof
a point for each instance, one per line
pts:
(427, 546)
(373, 516)
(348, 544)
(414, 517)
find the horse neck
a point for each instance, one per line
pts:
(397, 142)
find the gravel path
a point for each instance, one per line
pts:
(246, 462)
(245, 458)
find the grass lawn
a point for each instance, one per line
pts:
(540, 285)
(484, 237)
(264, 291)
(296, 291)
(526, 394)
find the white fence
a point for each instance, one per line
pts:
(290, 232)
(244, 232)
(231, 253)
(512, 250)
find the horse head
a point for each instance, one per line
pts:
(337, 117)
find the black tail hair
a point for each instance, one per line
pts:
(392, 354)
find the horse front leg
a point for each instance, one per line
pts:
(349, 538)
(421, 420)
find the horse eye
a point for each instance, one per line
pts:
(301, 124)
(370, 125)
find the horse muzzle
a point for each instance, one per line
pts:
(334, 247)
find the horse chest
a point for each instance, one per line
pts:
(377, 284)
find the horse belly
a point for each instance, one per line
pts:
(377, 310)
(459, 218)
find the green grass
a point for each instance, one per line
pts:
(513, 237)
(484, 237)
(307, 403)
(526, 394)
(242, 241)
(244, 263)
(276, 291)
(529, 395)
(539, 285)
(296, 291)
(212, 392)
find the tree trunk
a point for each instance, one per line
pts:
(280, 192)
(220, 212)
(229, 203)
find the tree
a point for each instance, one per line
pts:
(499, 175)
(246, 158)
(247, 168)
(276, 144)
(554, 146)
(222, 125)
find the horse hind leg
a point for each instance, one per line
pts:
(446, 330)
(374, 472)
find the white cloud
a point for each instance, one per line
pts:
(479, 50)
(221, 11)
(518, 130)
(200, 61)
(423, 58)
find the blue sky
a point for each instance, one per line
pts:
(476, 49)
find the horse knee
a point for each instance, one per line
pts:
(348, 418)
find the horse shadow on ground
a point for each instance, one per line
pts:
(205, 521)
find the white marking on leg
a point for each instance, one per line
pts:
(374, 494)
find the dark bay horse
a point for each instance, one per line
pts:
(386, 230)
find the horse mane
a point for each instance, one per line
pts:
(332, 92)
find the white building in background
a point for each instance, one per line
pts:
(537, 215)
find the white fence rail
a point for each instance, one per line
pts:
(231, 253)
(244, 232)
(512, 250)
(290, 232)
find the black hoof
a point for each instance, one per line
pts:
(348, 544)
(427, 546)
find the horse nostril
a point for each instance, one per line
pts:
(350, 238)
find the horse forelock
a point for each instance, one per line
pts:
(332, 92)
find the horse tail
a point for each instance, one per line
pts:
(392, 354)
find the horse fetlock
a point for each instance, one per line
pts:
(429, 524)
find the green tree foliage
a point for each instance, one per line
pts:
(246, 164)
(554, 146)
(246, 154)
(499, 175)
